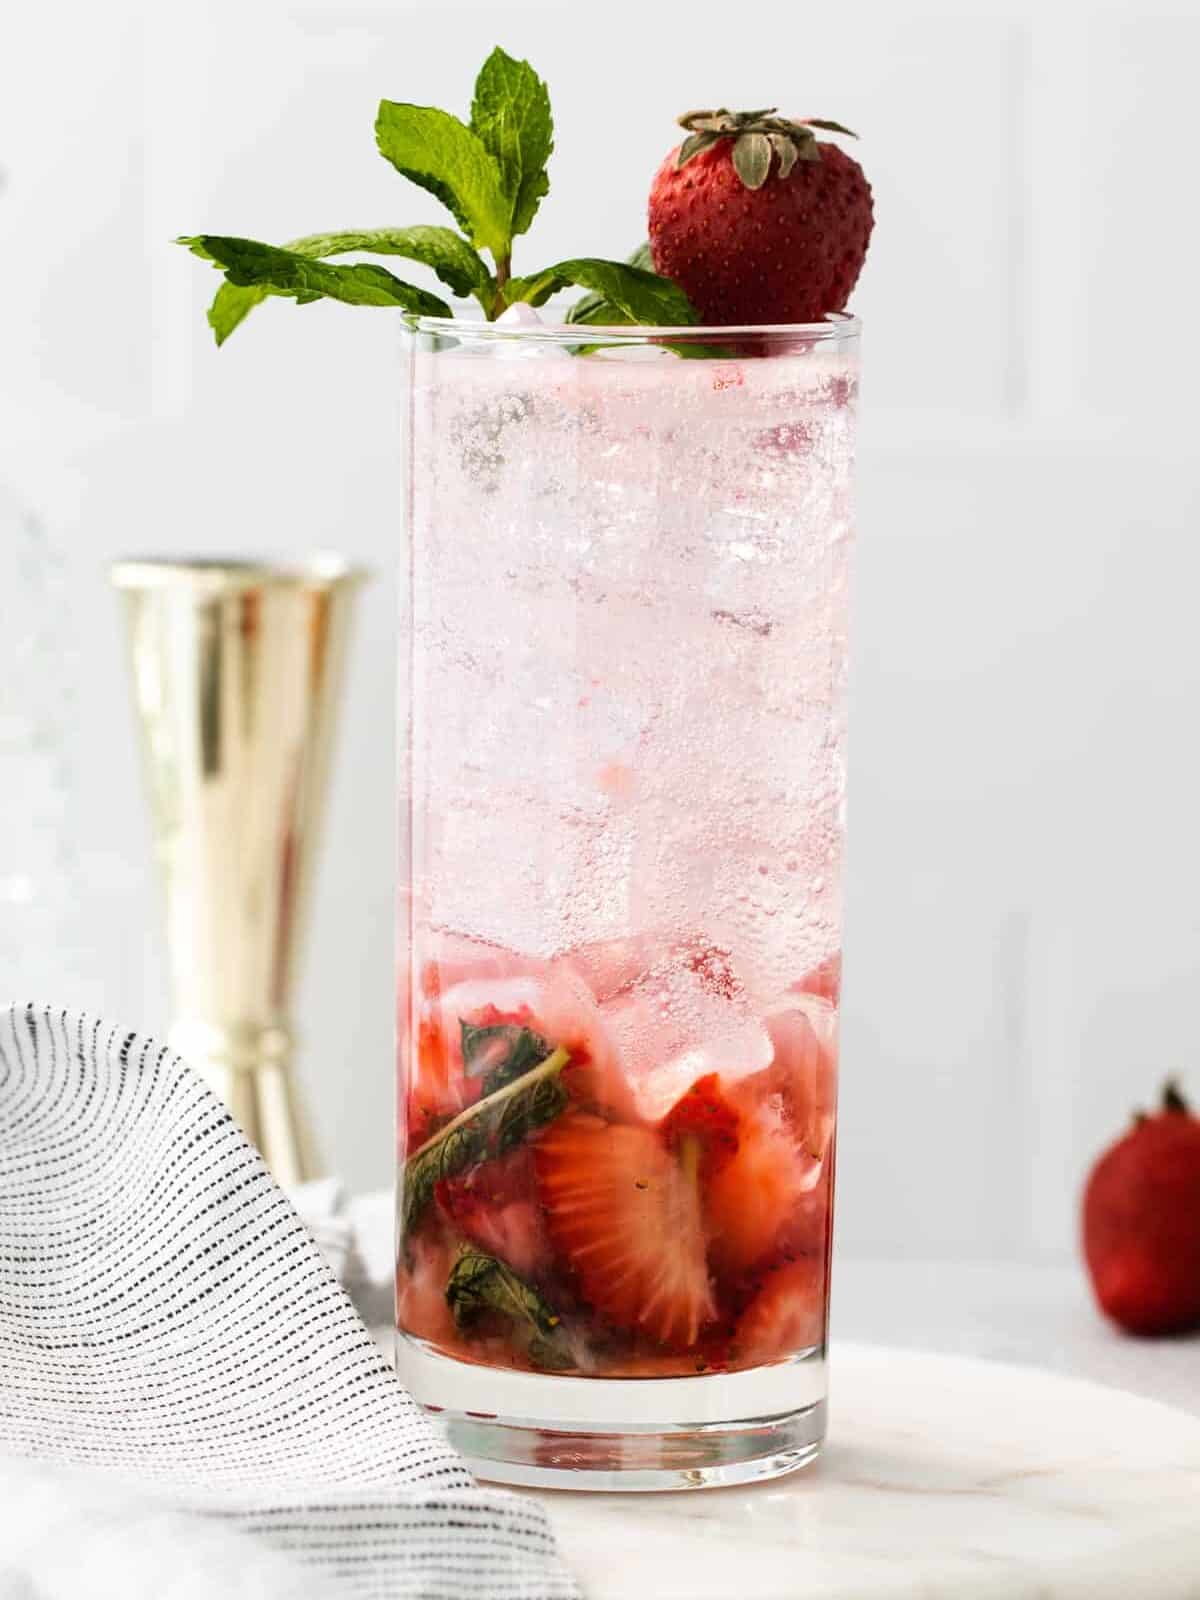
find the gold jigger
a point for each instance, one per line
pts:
(236, 668)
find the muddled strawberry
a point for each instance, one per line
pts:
(494, 1206)
(786, 1315)
(623, 1211)
(754, 1199)
(705, 1118)
(421, 1278)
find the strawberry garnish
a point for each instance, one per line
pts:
(623, 1211)
(787, 1314)
(758, 221)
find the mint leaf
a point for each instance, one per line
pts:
(639, 295)
(232, 304)
(448, 253)
(480, 1283)
(443, 155)
(511, 115)
(497, 1121)
(249, 264)
(500, 1052)
(595, 309)
(459, 267)
(598, 313)
(538, 1104)
(444, 1156)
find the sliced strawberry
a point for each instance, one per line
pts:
(704, 1115)
(421, 1307)
(624, 1214)
(753, 1200)
(787, 1314)
(811, 1229)
(494, 1206)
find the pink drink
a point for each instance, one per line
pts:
(623, 867)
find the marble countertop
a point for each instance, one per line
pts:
(946, 1476)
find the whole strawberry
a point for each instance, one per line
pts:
(757, 221)
(1141, 1222)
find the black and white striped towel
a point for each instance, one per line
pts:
(189, 1405)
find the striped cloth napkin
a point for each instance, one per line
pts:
(189, 1405)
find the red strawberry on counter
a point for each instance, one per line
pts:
(1141, 1222)
(758, 221)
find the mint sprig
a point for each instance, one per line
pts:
(491, 176)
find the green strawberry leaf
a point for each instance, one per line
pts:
(249, 264)
(639, 295)
(448, 253)
(480, 1283)
(511, 116)
(443, 155)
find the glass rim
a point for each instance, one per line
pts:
(836, 327)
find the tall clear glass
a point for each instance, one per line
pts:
(622, 775)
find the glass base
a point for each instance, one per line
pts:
(740, 1427)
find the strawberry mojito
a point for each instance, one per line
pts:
(623, 651)
(618, 1009)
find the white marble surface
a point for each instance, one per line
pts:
(945, 1477)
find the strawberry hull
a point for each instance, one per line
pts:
(561, 1213)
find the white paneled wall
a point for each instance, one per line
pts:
(1024, 940)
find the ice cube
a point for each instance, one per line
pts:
(687, 1015)
(521, 317)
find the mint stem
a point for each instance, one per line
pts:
(503, 273)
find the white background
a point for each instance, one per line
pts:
(1024, 926)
